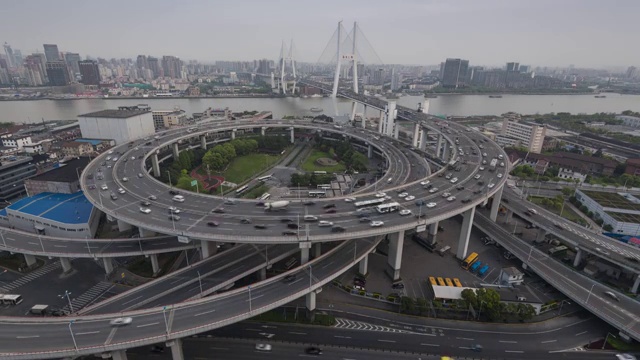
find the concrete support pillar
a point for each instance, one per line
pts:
(317, 250)
(154, 263)
(636, 284)
(108, 265)
(30, 260)
(465, 231)
(176, 150)
(433, 228)
(495, 206)
(363, 265)
(176, 349)
(439, 146)
(207, 249)
(541, 235)
(233, 134)
(370, 151)
(363, 123)
(263, 130)
(292, 138)
(146, 233)
(423, 139)
(203, 142)
(123, 226)
(304, 252)
(381, 122)
(396, 131)
(445, 151)
(578, 259)
(119, 355)
(416, 135)
(311, 301)
(262, 274)
(509, 216)
(66, 265)
(394, 259)
(155, 165)
(354, 105)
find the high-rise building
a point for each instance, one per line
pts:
(515, 133)
(35, 70)
(72, 60)
(454, 73)
(89, 72)
(513, 67)
(51, 52)
(141, 62)
(154, 66)
(396, 80)
(525, 69)
(57, 73)
(172, 66)
(17, 56)
(632, 72)
(378, 76)
(11, 61)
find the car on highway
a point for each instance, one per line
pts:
(337, 228)
(92, 187)
(405, 212)
(602, 251)
(174, 210)
(421, 202)
(152, 197)
(451, 198)
(481, 168)
(109, 152)
(104, 187)
(174, 217)
(219, 210)
(433, 190)
(491, 185)
(331, 211)
(121, 190)
(446, 195)
(121, 321)
(423, 183)
(174, 192)
(213, 223)
(145, 203)
(263, 347)
(293, 226)
(410, 197)
(403, 194)
(260, 226)
(625, 357)
(145, 210)
(377, 223)
(478, 176)
(350, 199)
(460, 187)
(329, 206)
(500, 176)
(313, 351)
(125, 179)
(310, 218)
(431, 205)
(245, 221)
(380, 194)
(612, 295)
(308, 203)
(324, 223)
(178, 198)
(454, 180)
(365, 219)
(140, 175)
(289, 278)
(229, 202)
(289, 233)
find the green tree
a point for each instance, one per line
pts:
(421, 306)
(567, 191)
(526, 312)
(407, 305)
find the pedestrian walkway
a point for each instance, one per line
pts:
(30, 277)
(88, 296)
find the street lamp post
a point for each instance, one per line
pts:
(3, 241)
(530, 251)
(170, 183)
(588, 296)
(166, 325)
(41, 244)
(75, 344)
(607, 339)
(66, 294)
(200, 281)
(562, 303)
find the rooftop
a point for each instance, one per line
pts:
(612, 200)
(93, 142)
(121, 113)
(64, 208)
(65, 172)
(624, 217)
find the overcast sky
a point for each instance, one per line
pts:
(586, 33)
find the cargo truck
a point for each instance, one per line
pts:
(276, 205)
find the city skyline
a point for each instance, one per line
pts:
(563, 34)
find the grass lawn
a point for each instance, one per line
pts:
(310, 165)
(567, 213)
(256, 192)
(247, 166)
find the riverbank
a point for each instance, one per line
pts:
(243, 96)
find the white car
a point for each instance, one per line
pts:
(499, 176)
(431, 205)
(133, 158)
(121, 321)
(324, 223)
(110, 152)
(451, 198)
(446, 195)
(108, 158)
(625, 357)
(104, 187)
(426, 182)
(454, 180)
(481, 168)
(433, 190)
(125, 179)
(405, 212)
(377, 223)
(410, 197)
(121, 190)
(174, 210)
(603, 251)
(263, 347)
(477, 176)
(145, 210)
(404, 194)
(178, 198)
(491, 185)
(380, 194)
(351, 199)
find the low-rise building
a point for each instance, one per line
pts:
(620, 210)
(14, 170)
(164, 119)
(632, 121)
(511, 276)
(15, 141)
(633, 167)
(51, 214)
(62, 178)
(568, 174)
(122, 125)
(583, 164)
(76, 148)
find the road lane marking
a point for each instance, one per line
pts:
(254, 297)
(461, 338)
(423, 344)
(253, 330)
(548, 341)
(151, 324)
(87, 333)
(218, 348)
(514, 351)
(28, 337)
(342, 337)
(206, 312)
(387, 341)
(508, 342)
(578, 334)
(132, 300)
(297, 333)
(60, 246)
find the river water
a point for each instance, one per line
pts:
(457, 105)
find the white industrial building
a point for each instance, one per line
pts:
(122, 125)
(620, 210)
